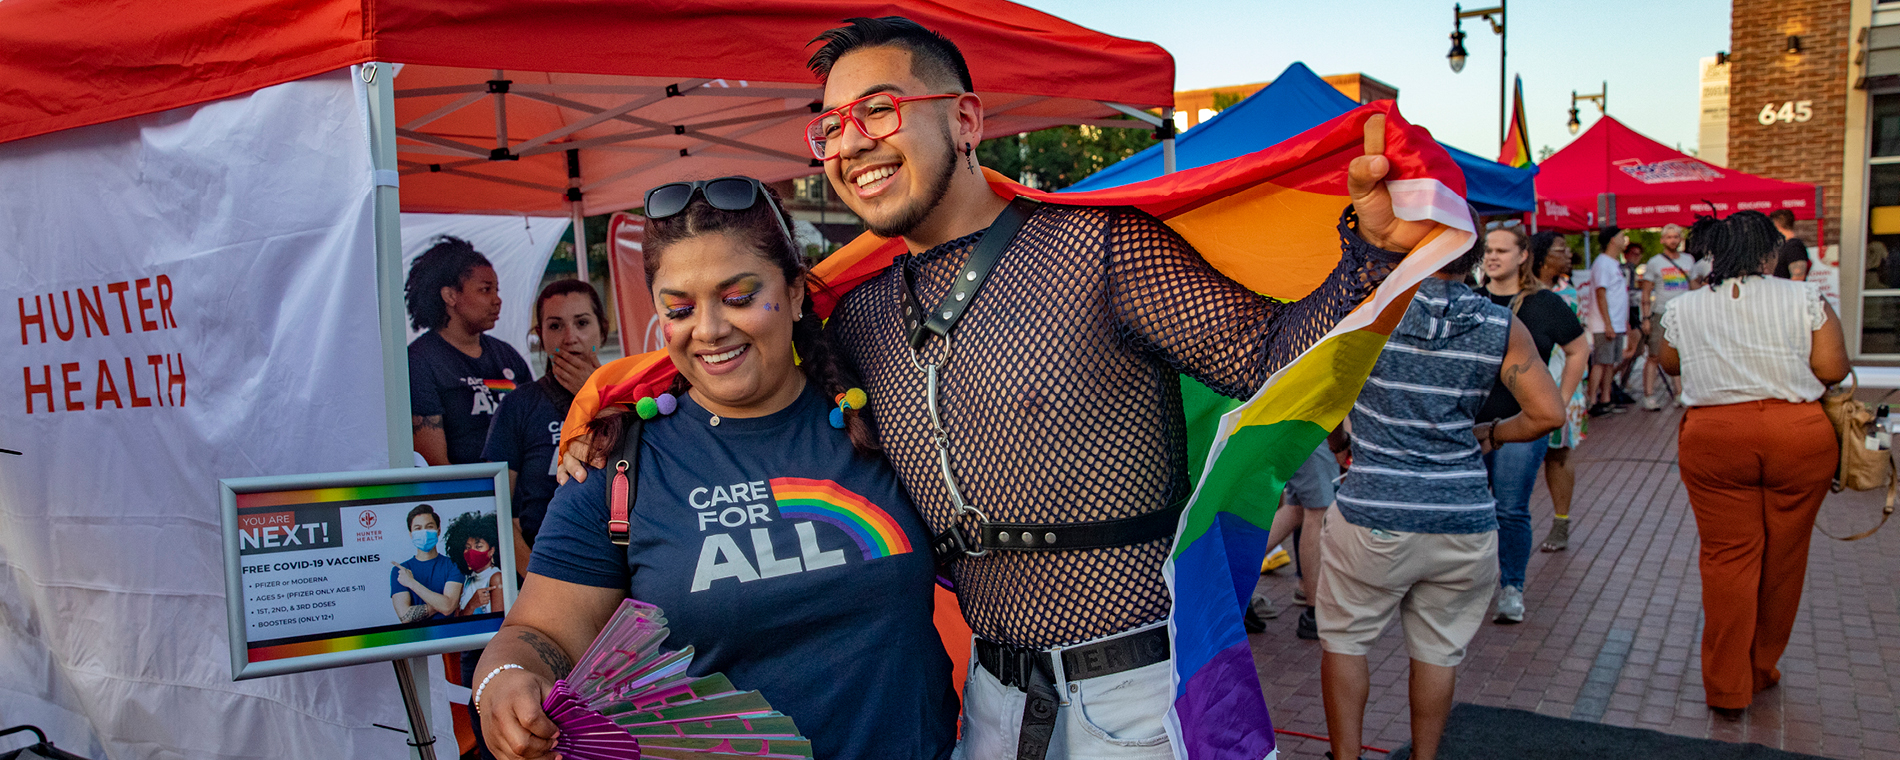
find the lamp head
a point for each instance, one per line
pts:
(1457, 54)
(1574, 124)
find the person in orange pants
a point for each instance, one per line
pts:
(1756, 451)
(1756, 474)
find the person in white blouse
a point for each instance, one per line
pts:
(1756, 452)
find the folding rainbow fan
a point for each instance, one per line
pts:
(627, 700)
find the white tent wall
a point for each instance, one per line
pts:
(519, 248)
(233, 240)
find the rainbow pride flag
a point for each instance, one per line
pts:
(1266, 219)
(1517, 141)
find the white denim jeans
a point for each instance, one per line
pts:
(1114, 717)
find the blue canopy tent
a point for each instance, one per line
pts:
(1297, 101)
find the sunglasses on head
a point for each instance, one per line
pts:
(724, 193)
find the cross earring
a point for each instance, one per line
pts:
(969, 157)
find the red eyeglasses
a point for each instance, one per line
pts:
(877, 116)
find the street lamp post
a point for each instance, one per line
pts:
(1602, 99)
(1495, 17)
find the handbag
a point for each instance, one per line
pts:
(1861, 468)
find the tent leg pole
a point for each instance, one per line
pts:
(379, 81)
(1167, 142)
(579, 213)
(580, 243)
(389, 275)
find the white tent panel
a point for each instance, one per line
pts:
(204, 279)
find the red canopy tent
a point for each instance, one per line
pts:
(495, 93)
(1612, 175)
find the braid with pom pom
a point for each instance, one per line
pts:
(825, 368)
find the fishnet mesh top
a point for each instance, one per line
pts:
(1061, 397)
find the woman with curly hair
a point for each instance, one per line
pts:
(474, 544)
(458, 374)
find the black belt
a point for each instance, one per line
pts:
(955, 542)
(1032, 672)
(1013, 665)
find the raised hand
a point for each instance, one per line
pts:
(572, 367)
(1365, 181)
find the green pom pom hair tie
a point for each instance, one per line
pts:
(654, 406)
(850, 399)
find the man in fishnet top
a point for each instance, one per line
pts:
(1057, 389)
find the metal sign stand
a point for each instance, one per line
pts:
(421, 742)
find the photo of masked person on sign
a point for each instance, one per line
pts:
(427, 586)
(474, 544)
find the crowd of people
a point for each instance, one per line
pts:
(1490, 378)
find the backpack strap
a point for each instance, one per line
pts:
(620, 493)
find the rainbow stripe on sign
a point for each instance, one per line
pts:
(824, 501)
(392, 491)
(354, 642)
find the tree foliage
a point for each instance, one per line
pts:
(1055, 158)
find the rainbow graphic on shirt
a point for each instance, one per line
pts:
(503, 386)
(823, 501)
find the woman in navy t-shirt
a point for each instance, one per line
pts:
(781, 548)
(569, 322)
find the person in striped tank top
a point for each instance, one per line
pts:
(1414, 528)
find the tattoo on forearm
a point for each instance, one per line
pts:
(419, 423)
(550, 655)
(415, 613)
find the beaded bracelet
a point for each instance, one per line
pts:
(475, 702)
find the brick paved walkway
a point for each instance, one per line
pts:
(1613, 626)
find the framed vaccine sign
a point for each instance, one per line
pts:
(343, 568)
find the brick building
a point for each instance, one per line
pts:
(1814, 96)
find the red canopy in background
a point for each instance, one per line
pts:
(1612, 175)
(644, 90)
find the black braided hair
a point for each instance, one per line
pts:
(1696, 239)
(1743, 244)
(445, 265)
(819, 358)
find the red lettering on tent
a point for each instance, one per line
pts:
(44, 387)
(91, 310)
(132, 383)
(37, 318)
(65, 333)
(175, 378)
(144, 304)
(125, 315)
(66, 383)
(165, 318)
(158, 384)
(103, 386)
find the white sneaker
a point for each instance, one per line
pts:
(1510, 605)
(1653, 403)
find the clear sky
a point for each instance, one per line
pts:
(1648, 51)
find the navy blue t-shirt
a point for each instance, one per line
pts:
(462, 389)
(434, 575)
(525, 434)
(788, 564)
